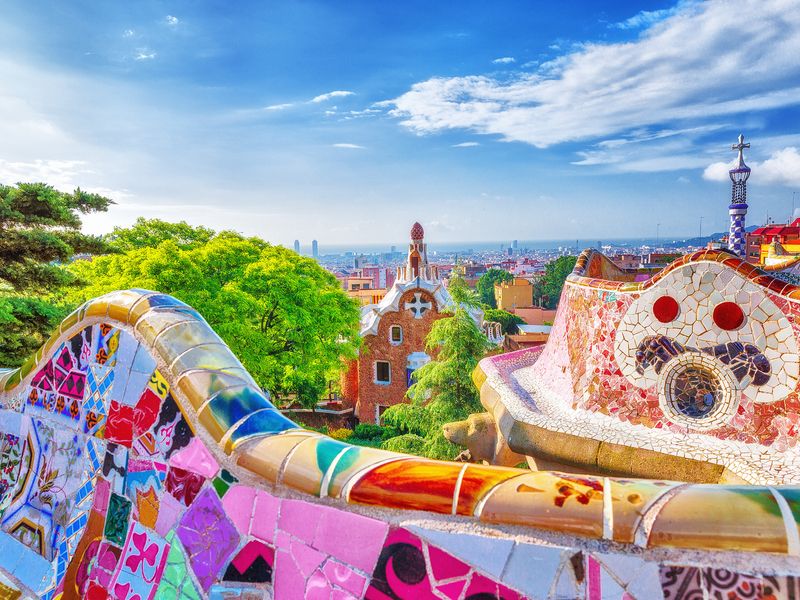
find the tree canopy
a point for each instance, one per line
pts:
(149, 233)
(443, 390)
(485, 285)
(552, 282)
(39, 232)
(460, 292)
(508, 321)
(282, 315)
(39, 229)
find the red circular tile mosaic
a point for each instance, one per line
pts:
(666, 309)
(728, 315)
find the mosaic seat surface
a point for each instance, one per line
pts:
(141, 461)
(690, 375)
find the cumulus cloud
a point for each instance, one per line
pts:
(128, 33)
(686, 68)
(171, 21)
(466, 145)
(350, 146)
(781, 168)
(504, 60)
(333, 94)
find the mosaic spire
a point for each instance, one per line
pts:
(737, 210)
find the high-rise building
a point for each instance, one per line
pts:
(515, 245)
(297, 246)
(314, 249)
(737, 210)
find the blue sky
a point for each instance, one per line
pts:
(347, 122)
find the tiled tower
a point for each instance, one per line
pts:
(739, 175)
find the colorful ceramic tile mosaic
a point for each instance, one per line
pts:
(140, 461)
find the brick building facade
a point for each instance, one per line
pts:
(394, 332)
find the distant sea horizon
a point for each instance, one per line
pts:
(450, 247)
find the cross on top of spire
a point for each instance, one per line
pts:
(740, 147)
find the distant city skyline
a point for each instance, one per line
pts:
(311, 120)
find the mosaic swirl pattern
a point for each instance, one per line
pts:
(141, 461)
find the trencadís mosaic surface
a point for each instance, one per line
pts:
(141, 461)
(699, 364)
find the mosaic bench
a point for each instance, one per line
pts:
(690, 375)
(140, 460)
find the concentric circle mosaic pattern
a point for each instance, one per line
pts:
(141, 461)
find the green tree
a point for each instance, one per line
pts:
(39, 232)
(149, 233)
(282, 315)
(486, 283)
(508, 321)
(552, 282)
(460, 292)
(443, 390)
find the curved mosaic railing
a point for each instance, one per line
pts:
(209, 460)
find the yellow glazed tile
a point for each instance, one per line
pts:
(158, 384)
(211, 425)
(722, 518)
(121, 302)
(265, 457)
(70, 321)
(552, 501)
(630, 500)
(139, 308)
(96, 308)
(28, 366)
(13, 380)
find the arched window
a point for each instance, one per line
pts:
(395, 335)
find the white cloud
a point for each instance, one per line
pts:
(64, 175)
(781, 168)
(128, 33)
(504, 60)
(682, 69)
(144, 54)
(334, 94)
(646, 18)
(350, 146)
(279, 106)
(466, 145)
(171, 21)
